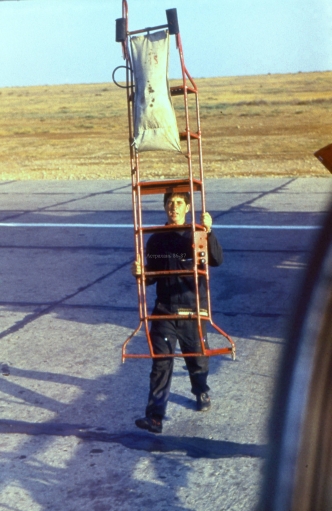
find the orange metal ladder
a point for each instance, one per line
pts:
(192, 182)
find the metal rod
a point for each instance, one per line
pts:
(147, 29)
(210, 353)
(129, 339)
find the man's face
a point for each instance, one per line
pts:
(176, 209)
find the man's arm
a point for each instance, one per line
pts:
(214, 249)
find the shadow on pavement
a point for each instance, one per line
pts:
(194, 447)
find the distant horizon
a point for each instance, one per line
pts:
(171, 79)
(60, 42)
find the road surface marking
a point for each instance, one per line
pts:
(130, 226)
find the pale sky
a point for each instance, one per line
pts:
(45, 42)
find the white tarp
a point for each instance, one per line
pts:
(155, 126)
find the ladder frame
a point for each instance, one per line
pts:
(189, 184)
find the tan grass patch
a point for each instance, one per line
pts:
(267, 125)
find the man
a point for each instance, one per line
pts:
(173, 250)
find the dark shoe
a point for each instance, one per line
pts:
(203, 402)
(150, 423)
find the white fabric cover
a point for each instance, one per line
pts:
(155, 126)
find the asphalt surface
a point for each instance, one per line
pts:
(68, 302)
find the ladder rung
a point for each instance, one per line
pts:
(169, 186)
(171, 227)
(178, 90)
(170, 273)
(218, 351)
(210, 353)
(158, 317)
(183, 135)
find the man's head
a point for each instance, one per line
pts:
(176, 206)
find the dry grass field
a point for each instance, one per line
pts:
(266, 125)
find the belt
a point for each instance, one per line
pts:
(181, 311)
(187, 312)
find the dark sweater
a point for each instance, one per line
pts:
(173, 251)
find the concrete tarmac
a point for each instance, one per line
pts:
(67, 303)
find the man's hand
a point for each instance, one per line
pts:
(206, 221)
(136, 267)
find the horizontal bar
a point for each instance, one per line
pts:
(210, 353)
(271, 227)
(156, 317)
(172, 227)
(168, 185)
(178, 90)
(218, 351)
(170, 273)
(147, 29)
(183, 135)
